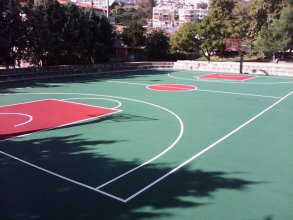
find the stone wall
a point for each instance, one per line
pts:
(18, 74)
(234, 67)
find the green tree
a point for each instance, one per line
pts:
(241, 18)
(100, 40)
(12, 32)
(157, 45)
(273, 38)
(184, 39)
(133, 35)
(71, 31)
(278, 36)
(222, 9)
(66, 34)
(39, 37)
(146, 6)
(45, 33)
(207, 35)
(290, 2)
(125, 15)
(220, 24)
(263, 13)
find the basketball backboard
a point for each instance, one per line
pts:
(235, 44)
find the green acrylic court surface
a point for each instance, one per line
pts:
(147, 145)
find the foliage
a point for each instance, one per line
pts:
(290, 2)
(157, 45)
(125, 15)
(183, 40)
(53, 34)
(266, 23)
(208, 35)
(278, 36)
(101, 39)
(222, 9)
(263, 12)
(134, 35)
(12, 32)
(146, 6)
(241, 18)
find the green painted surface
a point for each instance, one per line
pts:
(245, 175)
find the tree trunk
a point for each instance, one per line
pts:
(206, 56)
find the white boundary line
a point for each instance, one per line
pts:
(14, 113)
(202, 90)
(63, 125)
(207, 148)
(64, 100)
(130, 83)
(62, 177)
(124, 174)
(236, 93)
(21, 103)
(97, 189)
(113, 100)
(222, 81)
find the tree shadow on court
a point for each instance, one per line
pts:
(122, 117)
(9, 87)
(29, 193)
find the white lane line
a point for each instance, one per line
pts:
(130, 83)
(157, 156)
(112, 100)
(97, 189)
(62, 177)
(26, 122)
(203, 90)
(207, 148)
(21, 103)
(236, 93)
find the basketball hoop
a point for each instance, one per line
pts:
(237, 44)
(244, 47)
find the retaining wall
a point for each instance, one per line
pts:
(234, 67)
(18, 74)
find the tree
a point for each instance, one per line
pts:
(39, 37)
(220, 24)
(290, 2)
(278, 36)
(263, 12)
(222, 9)
(207, 35)
(66, 34)
(241, 18)
(157, 44)
(12, 32)
(133, 35)
(100, 40)
(184, 39)
(147, 7)
(273, 39)
(71, 31)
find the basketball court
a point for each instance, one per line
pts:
(147, 145)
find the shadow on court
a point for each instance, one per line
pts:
(28, 193)
(8, 87)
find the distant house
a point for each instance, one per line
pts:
(171, 15)
(99, 10)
